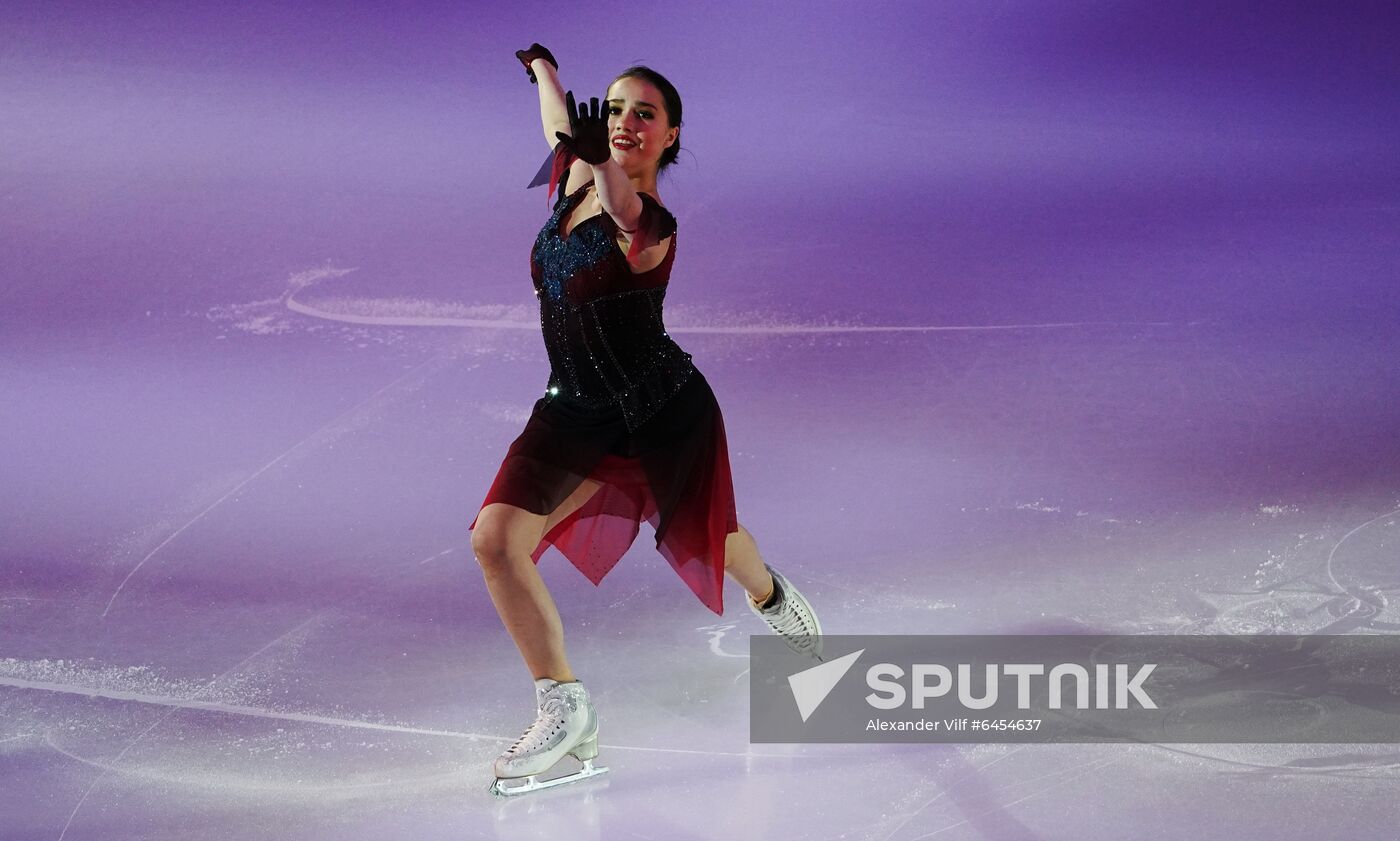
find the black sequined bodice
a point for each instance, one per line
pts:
(602, 323)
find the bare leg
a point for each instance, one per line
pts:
(743, 563)
(502, 541)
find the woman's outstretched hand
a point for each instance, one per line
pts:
(528, 55)
(589, 126)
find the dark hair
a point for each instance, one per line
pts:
(671, 99)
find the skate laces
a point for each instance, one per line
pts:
(791, 619)
(547, 723)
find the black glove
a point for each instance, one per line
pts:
(589, 127)
(535, 51)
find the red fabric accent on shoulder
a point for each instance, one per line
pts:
(563, 159)
(656, 223)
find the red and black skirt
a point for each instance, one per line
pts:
(672, 472)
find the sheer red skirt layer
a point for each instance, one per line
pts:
(673, 472)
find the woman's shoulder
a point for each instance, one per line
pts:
(657, 216)
(652, 242)
(580, 173)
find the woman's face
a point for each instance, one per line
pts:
(637, 112)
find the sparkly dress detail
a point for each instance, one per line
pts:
(624, 406)
(602, 323)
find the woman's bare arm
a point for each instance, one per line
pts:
(623, 203)
(619, 199)
(553, 115)
(590, 141)
(617, 195)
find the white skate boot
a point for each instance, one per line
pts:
(566, 724)
(791, 617)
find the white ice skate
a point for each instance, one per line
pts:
(566, 724)
(791, 617)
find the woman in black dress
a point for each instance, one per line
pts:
(627, 430)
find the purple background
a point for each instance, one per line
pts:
(266, 330)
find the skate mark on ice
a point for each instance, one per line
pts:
(256, 712)
(716, 633)
(1313, 611)
(233, 709)
(330, 425)
(1339, 606)
(1347, 771)
(444, 553)
(182, 776)
(304, 280)
(1089, 767)
(1332, 555)
(159, 721)
(944, 791)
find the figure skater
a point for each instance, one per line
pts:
(627, 430)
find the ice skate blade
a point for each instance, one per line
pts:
(500, 787)
(814, 650)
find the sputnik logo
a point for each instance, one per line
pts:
(811, 686)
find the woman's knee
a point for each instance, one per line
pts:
(502, 534)
(487, 546)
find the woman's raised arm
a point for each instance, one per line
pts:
(543, 71)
